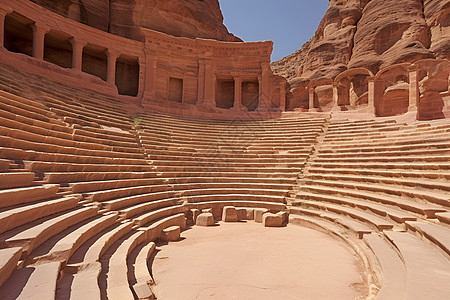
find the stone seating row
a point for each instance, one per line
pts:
(86, 112)
(266, 136)
(153, 119)
(27, 107)
(431, 197)
(68, 177)
(26, 151)
(441, 149)
(401, 137)
(16, 179)
(175, 156)
(236, 147)
(382, 174)
(30, 131)
(159, 152)
(206, 134)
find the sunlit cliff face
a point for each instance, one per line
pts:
(196, 18)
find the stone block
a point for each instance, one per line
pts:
(205, 219)
(250, 213)
(272, 220)
(143, 291)
(259, 212)
(171, 233)
(284, 215)
(241, 214)
(229, 214)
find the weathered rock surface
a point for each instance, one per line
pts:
(197, 18)
(372, 34)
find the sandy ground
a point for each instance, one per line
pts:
(248, 261)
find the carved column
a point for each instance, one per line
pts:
(335, 95)
(39, 32)
(283, 96)
(142, 71)
(151, 69)
(376, 91)
(201, 81)
(237, 93)
(77, 53)
(210, 85)
(312, 96)
(264, 87)
(111, 67)
(414, 93)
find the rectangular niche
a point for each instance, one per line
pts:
(250, 94)
(18, 35)
(176, 89)
(225, 93)
(95, 61)
(58, 49)
(127, 76)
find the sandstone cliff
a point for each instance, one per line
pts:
(196, 18)
(372, 34)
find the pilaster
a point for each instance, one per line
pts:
(77, 53)
(39, 31)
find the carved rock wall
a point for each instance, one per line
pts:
(372, 34)
(196, 18)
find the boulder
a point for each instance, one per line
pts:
(229, 214)
(272, 220)
(205, 219)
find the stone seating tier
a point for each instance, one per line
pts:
(431, 196)
(357, 227)
(396, 214)
(16, 180)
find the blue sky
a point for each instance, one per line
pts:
(289, 23)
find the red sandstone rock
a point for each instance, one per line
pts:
(229, 214)
(171, 234)
(258, 213)
(241, 213)
(205, 219)
(191, 19)
(284, 216)
(372, 34)
(272, 220)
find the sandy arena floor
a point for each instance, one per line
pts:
(248, 261)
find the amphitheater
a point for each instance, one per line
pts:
(117, 155)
